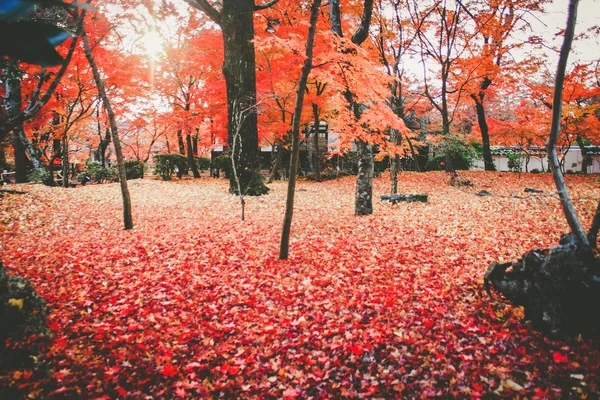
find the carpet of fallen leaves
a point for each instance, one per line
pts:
(193, 302)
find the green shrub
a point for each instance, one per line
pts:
(166, 164)
(39, 175)
(97, 173)
(460, 154)
(134, 169)
(536, 171)
(203, 163)
(22, 315)
(515, 162)
(327, 175)
(222, 163)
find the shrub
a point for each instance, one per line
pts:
(536, 171)
(203, 163)
(134, 169)
(222, 163)
(460, 154)
(97, 173)
(515, 162)
(327, 175)
(166, 164)
(41, 175)
(22, 315)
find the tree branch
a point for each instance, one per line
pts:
(258, 7)
(362, 33)
(209, 10)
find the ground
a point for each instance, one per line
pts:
(193, 302)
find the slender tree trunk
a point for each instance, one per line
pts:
(65, 161)
(393, 163)
(289, 204)
(190, 156)
(127, 219)
(20, 157)
(310, 147)
(276, 163)
(485, 135)
(584, 154)
(180, 142)
(559, 180)
(317, 151)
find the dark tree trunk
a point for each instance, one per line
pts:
(291, 189)
(485, 135)
(364, 182)
(239, 69)
(65, 161)
(127, 218)
(584, 154)
(190, 156)
(317, 151)
(12, 104)
(180, 142)
(195, 144)
(21, 160)
(394, 163)
(276, 163)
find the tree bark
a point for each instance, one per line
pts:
(190, 156)
(317, 151)
(180, 142)
(364, 183)
(127, 219)
(289, 204)
(239, 69)
(65, 161)
(488, 161)
(567, 204)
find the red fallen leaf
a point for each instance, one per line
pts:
(122, 392)
(169, 370)
(230, 369)
(53, 326)
(62, 373)
(559, 358)
(61, 389)
(356, 349)
(428, 323)
(180, 392)
(27, 374)
(290, 393)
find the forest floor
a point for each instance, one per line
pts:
(193, 302)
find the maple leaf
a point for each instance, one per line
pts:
(169, 370)
(559, 358)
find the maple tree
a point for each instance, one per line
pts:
(236, 19)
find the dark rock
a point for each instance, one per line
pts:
(533, 190)
(483, 193)
(406, 198)
(559, 288)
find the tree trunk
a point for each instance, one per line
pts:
(364, 182)
(65, 161)
(317, 151)
(567, 204)
(276, 163)
(21, 160)
(310, 147)
(393, 163)
(488, 161)
(180, 142)
(127, 219)
(190, 156)
(239, 69)
(584, 154)
(12, 104)
(291, 189)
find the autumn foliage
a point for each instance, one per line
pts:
(193, 302)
